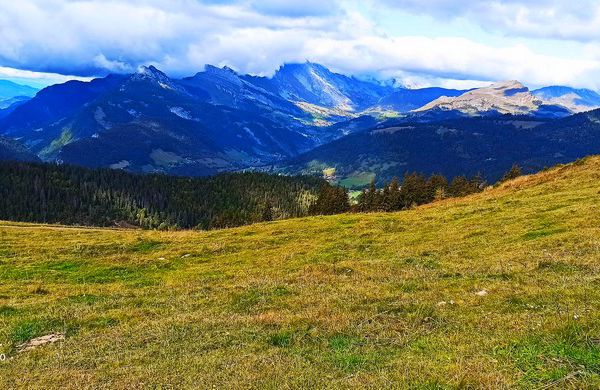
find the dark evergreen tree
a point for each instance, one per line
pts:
(369, 200)
(331, 200)
(392, 197)
(512, 173)
(414, 190)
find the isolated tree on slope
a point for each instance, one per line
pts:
(513, 173)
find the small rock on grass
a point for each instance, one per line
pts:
(39, 341)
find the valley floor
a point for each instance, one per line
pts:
(497, 290)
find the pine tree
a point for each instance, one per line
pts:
(414, 190)
(395, 197)
(512, 173)
(437, 187)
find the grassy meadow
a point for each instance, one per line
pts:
(497, 290)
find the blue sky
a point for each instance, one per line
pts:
(420, 43)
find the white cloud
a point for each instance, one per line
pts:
(37, 79)
(180, 36)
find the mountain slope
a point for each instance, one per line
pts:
(465, 146)
(40, 120)
(498, 290)
(11, 150)
(577, 100)
(147, 122)
(509, 97)
(315, 84)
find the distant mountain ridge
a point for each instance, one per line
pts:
(219, 120)
(405, 100)
(576, 100)
(9, 89)
(509, 97)
(13, 94)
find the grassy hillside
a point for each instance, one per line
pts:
(498, 290)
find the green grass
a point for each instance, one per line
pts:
(357, 180)
(65, 138)
(349, 301)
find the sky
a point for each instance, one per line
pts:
(417, 42)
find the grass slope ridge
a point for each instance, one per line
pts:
(496, 290)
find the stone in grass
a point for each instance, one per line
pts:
(39, 341)
(482, 293)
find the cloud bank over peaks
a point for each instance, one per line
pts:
(95, 37)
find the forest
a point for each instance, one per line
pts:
(71, 195)
(47, 193)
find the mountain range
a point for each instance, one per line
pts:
(12, 94)
(302, 119)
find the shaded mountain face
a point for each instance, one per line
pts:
(223, 86)
(11, 150)
(576, 100)
(147, 122)
(464, 146)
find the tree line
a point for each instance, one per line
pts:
(416, 189)
(47, 193)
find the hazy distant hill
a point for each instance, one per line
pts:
(9, 89)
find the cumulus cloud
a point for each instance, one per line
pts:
(95, 37)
